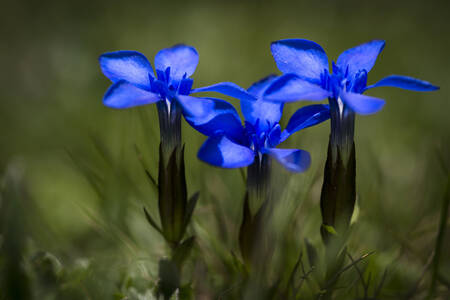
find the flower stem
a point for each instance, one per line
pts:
(169, 114)
(254, 231)
(258, 181)
(342, 129)
(175, 208)
(338, 196)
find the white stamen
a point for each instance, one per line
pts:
(341, 106)
(168, 106)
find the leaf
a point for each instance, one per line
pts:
(246, 231)
(311, 252)
(186, 292)
(290, 284)
(190, 210)
(332, 279)
(172, 195)
(152, 222)
(169, 278)
(330, 229)
(183, 250)
(338, 196)
(237, 263)
(141, 160)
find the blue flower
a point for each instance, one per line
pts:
(232, 145)
(135, 83)
(306, 75)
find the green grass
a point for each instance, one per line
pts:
(80, 191)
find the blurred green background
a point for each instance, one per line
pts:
(76, 159)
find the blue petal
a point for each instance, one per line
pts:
(185, 86)
(268, 113)
(295, 160)
(274, 136)
(305, 117)
(123, 94)
(361, 57)
(361, 104)
(290, 87)
(405, 82)
(212, 116)
(222, 152)
(228, 89)
(257, 89)
(181, 60)
(131, 66)
(305, 58)
(359, 82)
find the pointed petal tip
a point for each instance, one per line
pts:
(362, 104)
(406, 83)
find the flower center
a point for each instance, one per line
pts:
(258, 140)
(340, 80)
(168, 88)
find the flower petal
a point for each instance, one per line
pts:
(361, 57)
(123, 94)
(274, 136)
(295, 160)
(290, 87)
(184, 88)
(305, 117)
(228, 89)
(361, 104)
(257, 89)
(212, 116)
(181, 59)
(222, 152)
(305, 58)
(268, 113)
(405, 82)
(131, 66)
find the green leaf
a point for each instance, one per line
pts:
(311, 252)
(190, 210)
(337, 200)
(183, 250)
(141, 160)
(172, 195)
(152, 222)
(169, 278)
(330, 229)
(246, 231)
(186, 292)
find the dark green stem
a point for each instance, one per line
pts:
(258, 180)
(175, 208)
(342, 129)
(253, 234)
(338, 195)
(169, 114)
(337, 200)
